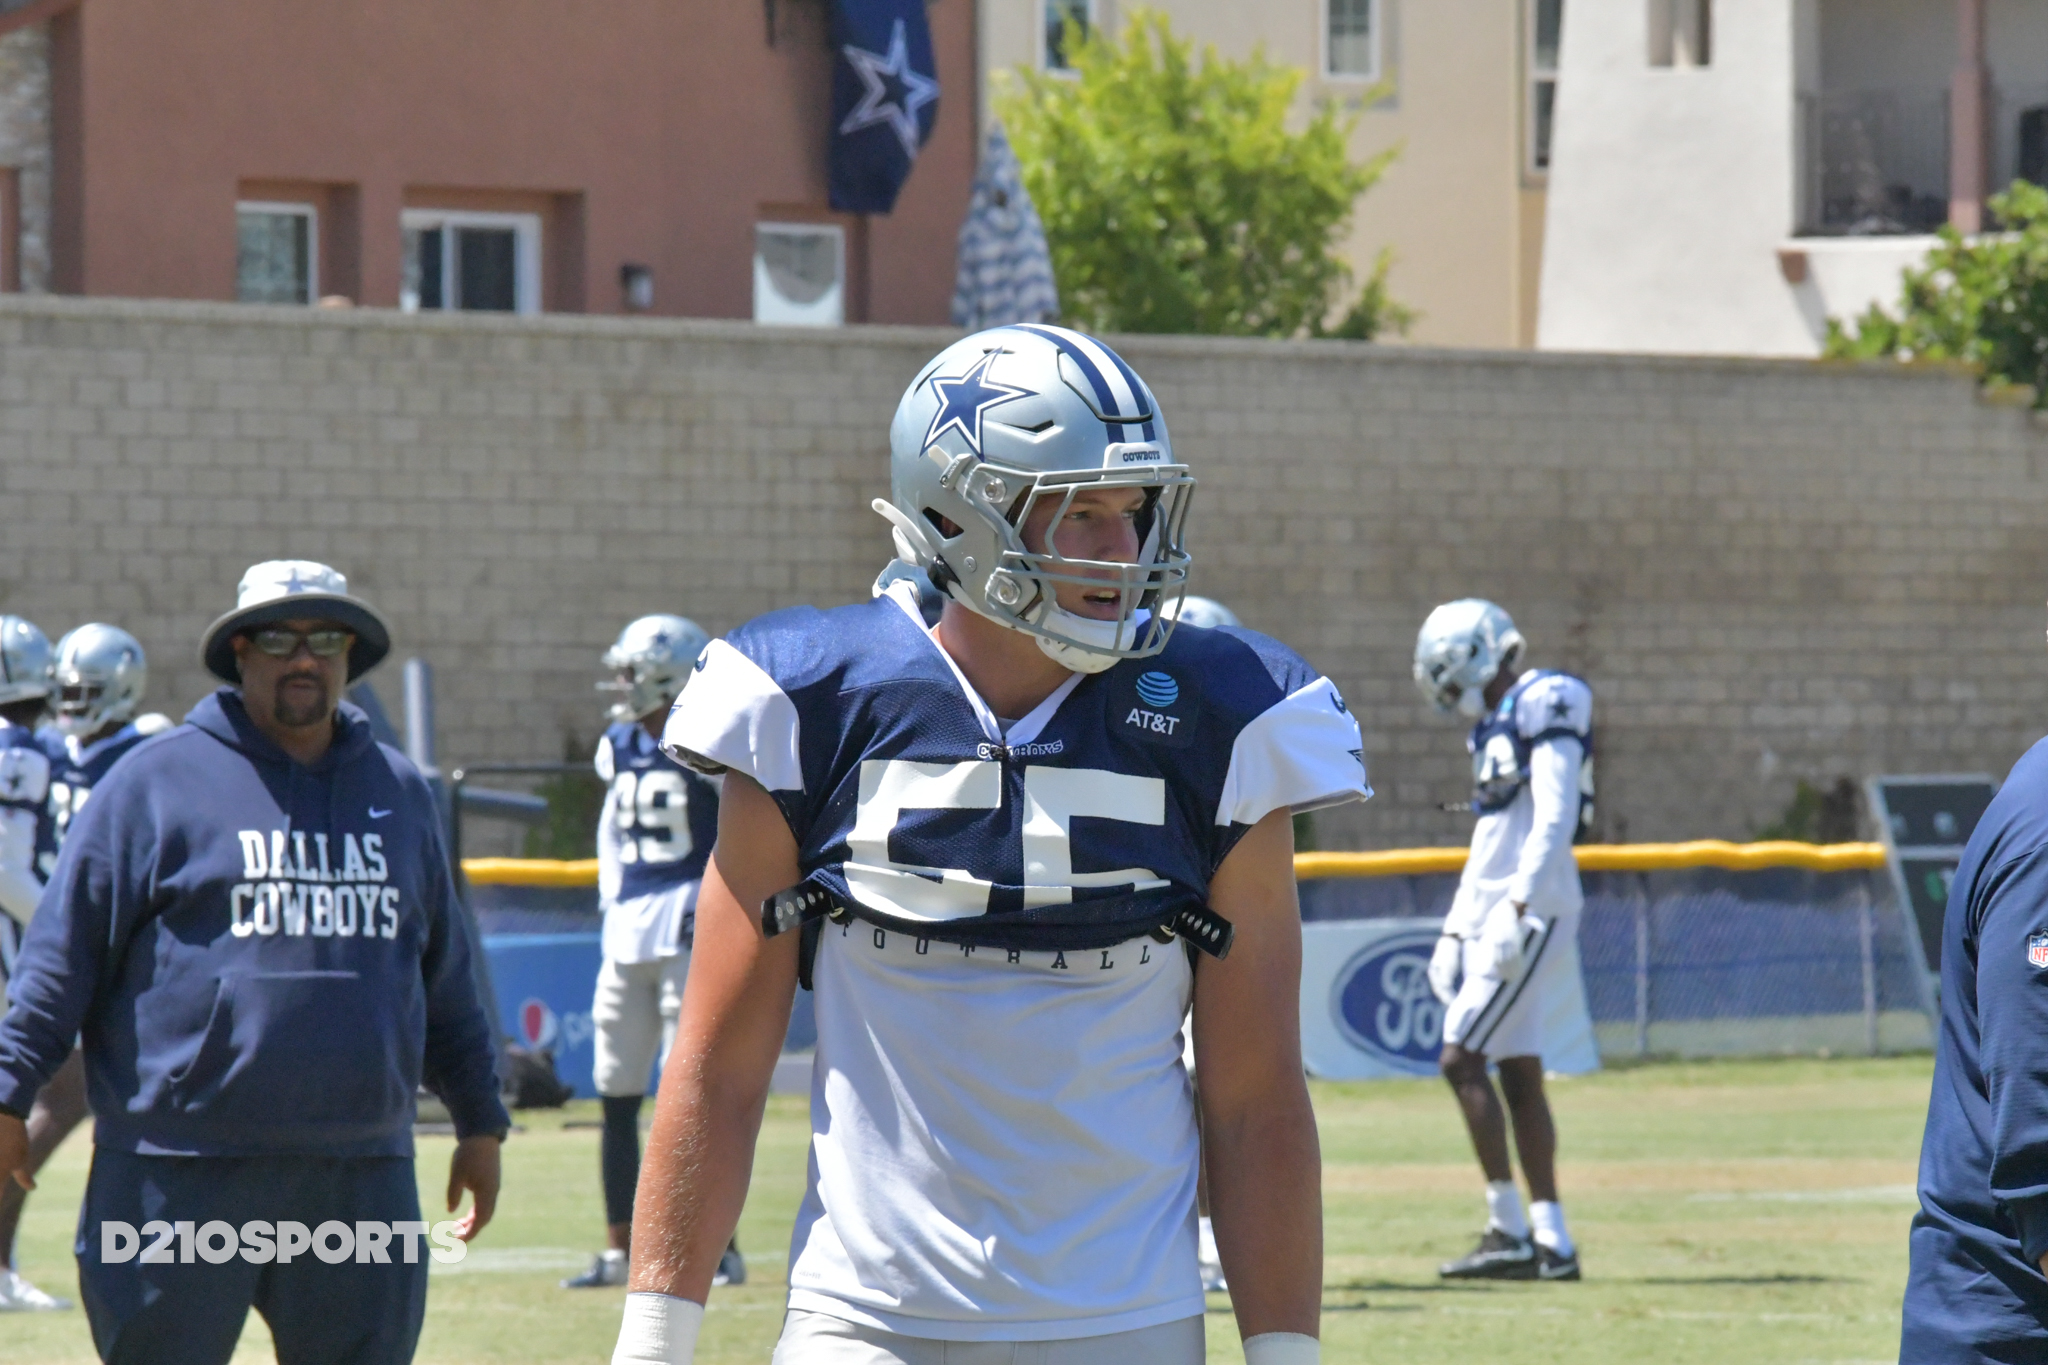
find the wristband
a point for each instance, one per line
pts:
(659, 1329)
(1282, 1348)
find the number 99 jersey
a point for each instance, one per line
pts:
(924, 813)
(659, 821)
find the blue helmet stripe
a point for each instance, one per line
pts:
(1131, 378)
(1093, 374)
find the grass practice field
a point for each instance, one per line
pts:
(1734, 1211)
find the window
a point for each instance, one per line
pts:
(1546, 25)
(1681, 32)
(1057, 15)
(1351, 49)
(474, 262)
(800, 274)
(276, 253)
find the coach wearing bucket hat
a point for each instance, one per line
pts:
(253, 925)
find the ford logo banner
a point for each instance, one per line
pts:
(1382, 1003)
(1367, 1012)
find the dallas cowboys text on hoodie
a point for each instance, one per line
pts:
(264, 957)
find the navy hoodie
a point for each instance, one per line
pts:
(1974, 1289)
(263, 957)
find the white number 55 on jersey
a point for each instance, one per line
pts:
(1053, 799)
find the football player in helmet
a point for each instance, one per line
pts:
(98, 674)
(25, 660)
(653, 838)
(97, 682)
(978, 842)
(1501, 965)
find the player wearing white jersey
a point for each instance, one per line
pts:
(1502, 962)
(653, 838)
(1006, 850)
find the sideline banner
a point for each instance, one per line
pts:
(1367, 1012)
(545, 983)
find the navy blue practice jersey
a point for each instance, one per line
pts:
(1543, 706)
(909, 797)
(660, 818)
(75, 769)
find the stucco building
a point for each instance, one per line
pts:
(666, 156)
(1462, 87)
(1729, 174)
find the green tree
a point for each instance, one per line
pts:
(1982, 302)
(1175, 199)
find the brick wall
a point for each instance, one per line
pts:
(1769, 571)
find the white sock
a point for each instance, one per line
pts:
(1548, 1216)
(1504, 1208)
(1207, 1252)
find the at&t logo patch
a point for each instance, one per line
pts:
(1158, 689)
(2037, 951)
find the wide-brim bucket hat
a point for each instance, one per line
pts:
(295, 590)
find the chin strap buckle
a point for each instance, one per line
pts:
(805, 903)
(1204, 928)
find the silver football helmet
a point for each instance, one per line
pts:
(1206, 612)
(1463, 645)
(651, 660)
(25, 660)
(1014, 415)
(99, 678)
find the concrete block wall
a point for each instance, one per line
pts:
(1769, 570)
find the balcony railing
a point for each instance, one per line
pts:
(1875, 161)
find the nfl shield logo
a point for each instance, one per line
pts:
(2037, 950)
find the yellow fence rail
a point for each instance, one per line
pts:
(1404, 862)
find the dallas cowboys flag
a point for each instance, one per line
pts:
(1005, 271)
(885, 98)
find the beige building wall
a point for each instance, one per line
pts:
(1463, 219)
(1768, 570)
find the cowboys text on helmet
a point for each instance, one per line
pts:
(997, 425)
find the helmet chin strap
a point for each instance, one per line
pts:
(1472, 701)
(1075, 657)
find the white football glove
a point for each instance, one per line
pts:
(1502, 936)
(1443, 967)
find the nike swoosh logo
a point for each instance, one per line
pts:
(376, 814)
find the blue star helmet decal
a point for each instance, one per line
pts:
(892, 90)
(963, 398)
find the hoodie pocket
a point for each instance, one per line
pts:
(299, 1050)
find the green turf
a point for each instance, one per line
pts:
(1733, 1211)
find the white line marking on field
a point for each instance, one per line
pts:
(1867, 1194)
(515, 1261)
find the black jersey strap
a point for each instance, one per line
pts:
(1079, 925)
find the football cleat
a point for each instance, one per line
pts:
(19, 1296)
(732, 1268)
(1499, 1256)
(1552, 1264)
(607, 1271)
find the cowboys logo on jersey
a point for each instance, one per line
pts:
(1543, 705)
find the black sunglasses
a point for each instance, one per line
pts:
(281, 642)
